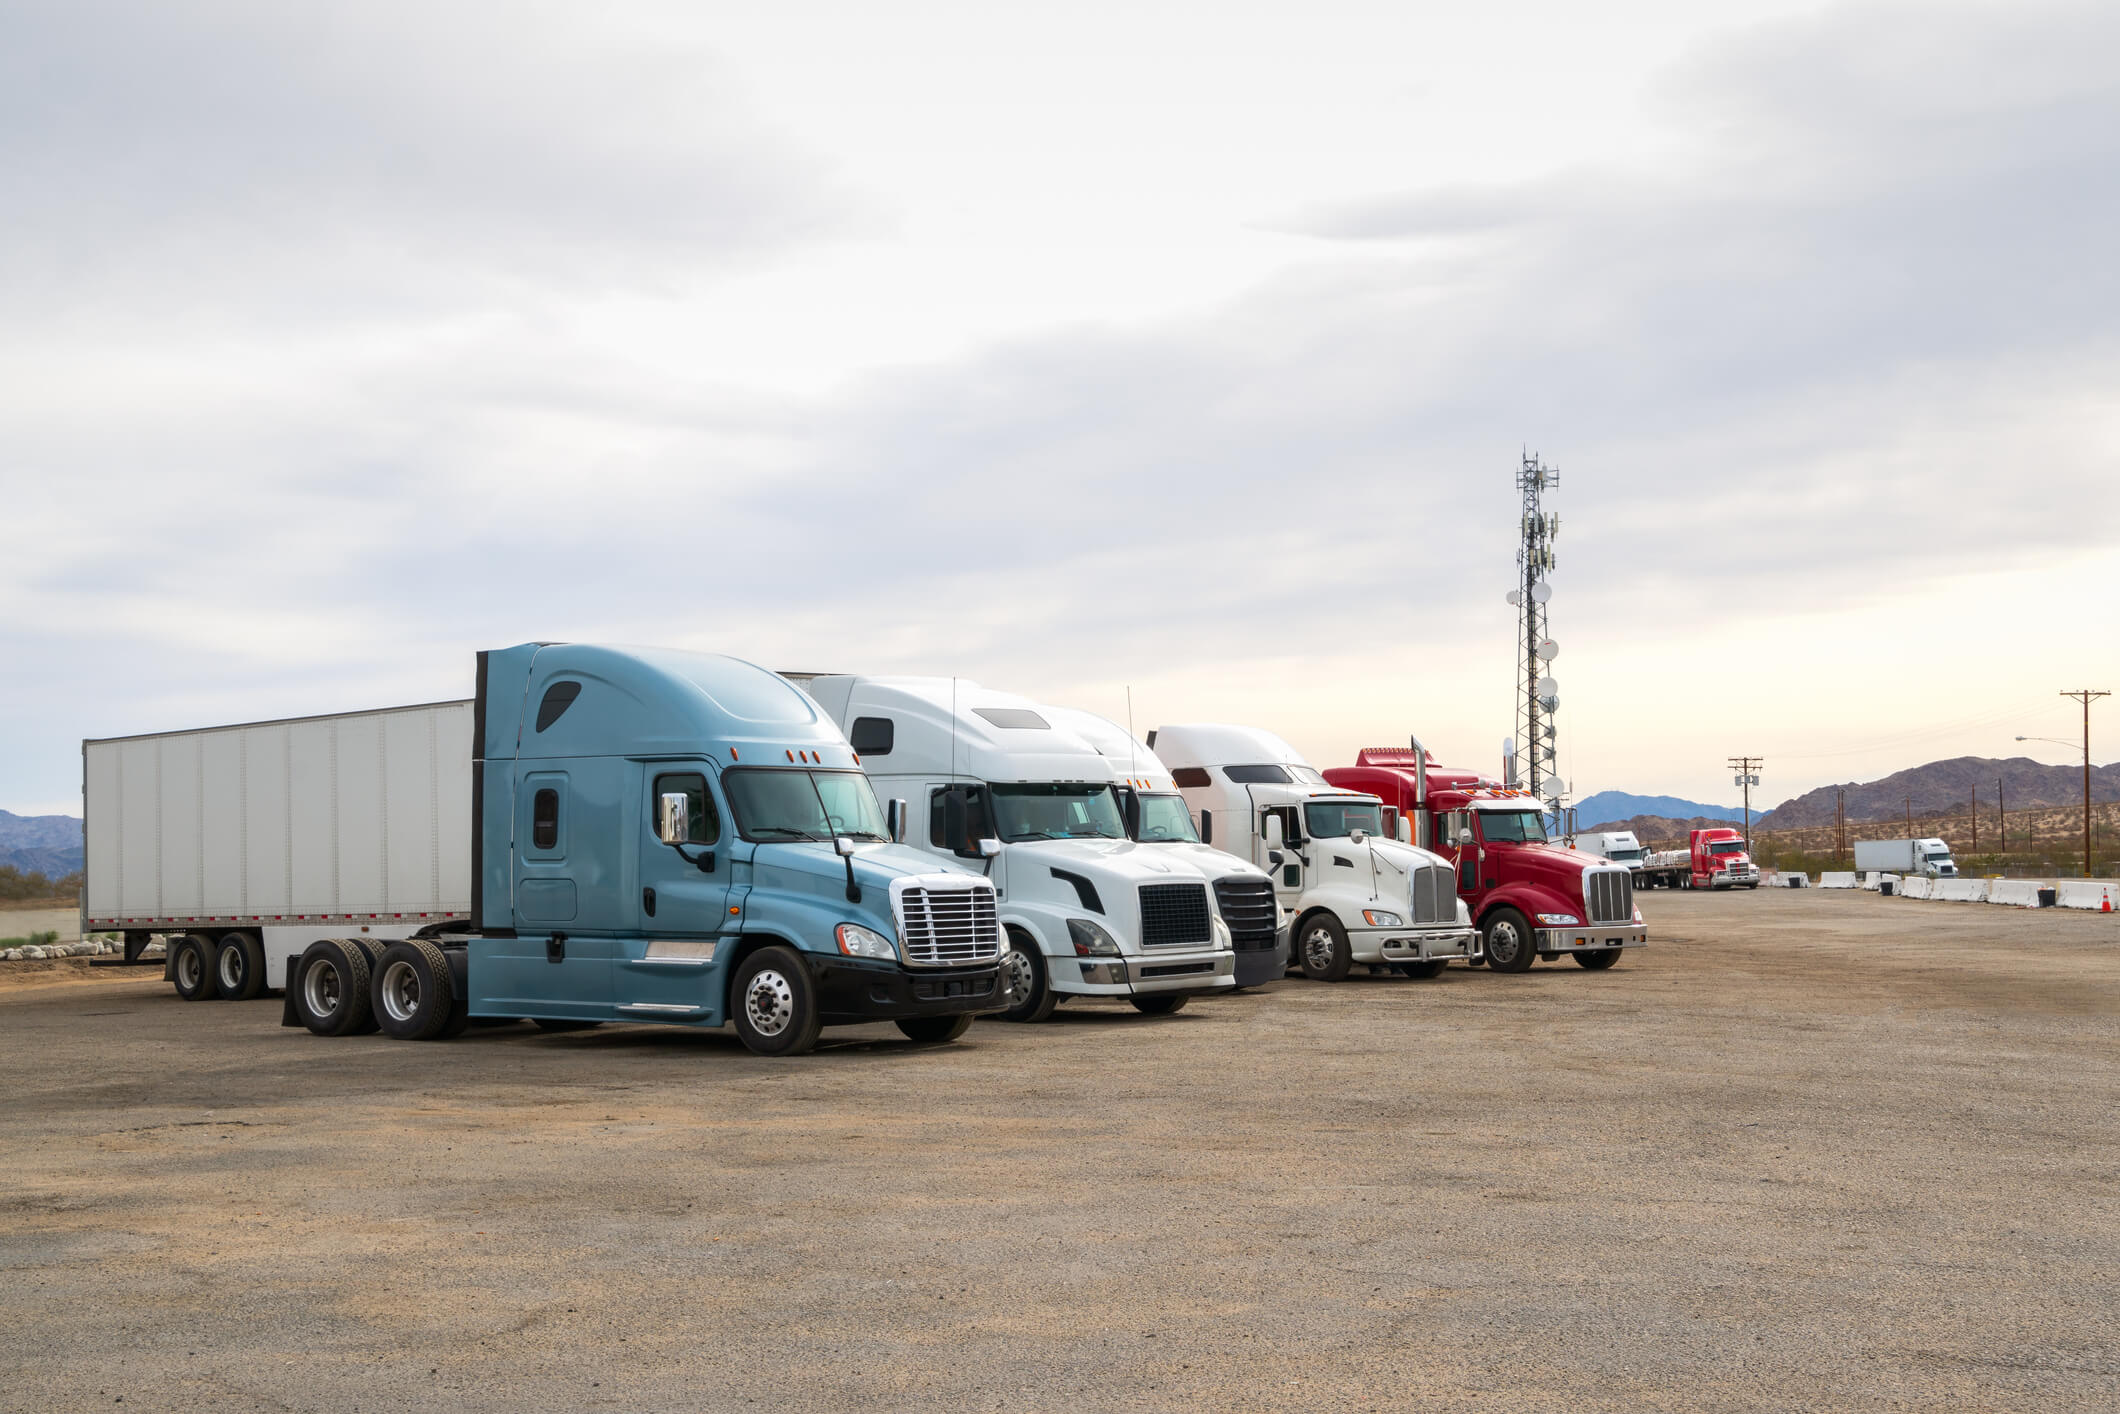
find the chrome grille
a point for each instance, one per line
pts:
(945, 927)
(1174, 915)
(1249, 909)
(1435, 895)
(1608, 894)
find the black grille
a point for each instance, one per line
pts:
(1174, 915)
(1609, 896)
(936, 989)
(1435, 895)
(1249, 909)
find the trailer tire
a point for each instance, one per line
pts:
(1508, 941)
(332, 1001)
(1023, 973)
(1162, 1005)
(239, 967)
(1421, 971)
(1323, 943)
(1596, 959)
(774, 1004)
(191, 968)
(554, 1024)
(412, 992)
(933, 1030)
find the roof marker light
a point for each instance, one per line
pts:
(732, 753)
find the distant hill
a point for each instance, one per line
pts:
(44, 844)
(1662, 829)
(1944, 786)
(1613, 809)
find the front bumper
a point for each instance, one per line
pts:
(852, 989)
(1555, 941)
(1157, 974)
(1413, 944)
(1734, 879)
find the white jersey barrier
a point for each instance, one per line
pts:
(1961, 890)
(2014, 893)
(2094, 894)
(1871, 878)
(1839, 880)
(1790, 881)
(1914, 886)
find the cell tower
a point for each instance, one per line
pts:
(1537, 694)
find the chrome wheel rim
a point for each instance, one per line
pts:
(1317, 949)
(1018, 977)
(231, 970)
(400, 991)
(189, 969)
(769, 1003)
(320, 989)
(1502, 942)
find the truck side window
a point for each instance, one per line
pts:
(1188, 776)
(558, 698)
(872, 736)
(544, 819)
(978, 824)
(1291, 831)
(703, 825)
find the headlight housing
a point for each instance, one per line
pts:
(857, 941)
(1223, 941)
(1381, 918)
(1090, 940)
(1560, 920)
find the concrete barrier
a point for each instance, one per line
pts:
(1870, 878)
(2096, 895)
(1961, 890)
(2014, 893)
(1837, 880)
(1791, 881)
(1915, 886)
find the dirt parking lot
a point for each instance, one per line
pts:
(1808, 1150)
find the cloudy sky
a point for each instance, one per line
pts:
(1184, 347)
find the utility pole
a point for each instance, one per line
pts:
(2085, 696)
(2002, 817)
(1910, 817)
(1840, 825)
(1746, 768)
(1974, 818)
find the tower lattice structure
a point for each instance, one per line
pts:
(1537, 695)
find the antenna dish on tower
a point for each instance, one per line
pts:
(1541, 592)
(1515, 598)
(1548, 651)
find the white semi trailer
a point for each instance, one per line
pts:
(243, 844)
(1930, 858)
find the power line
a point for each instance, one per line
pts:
(1747, 768)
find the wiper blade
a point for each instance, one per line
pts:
(782, 830)
(863, 835)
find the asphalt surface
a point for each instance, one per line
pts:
(1808, 1150)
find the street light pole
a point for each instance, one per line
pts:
(2084, 695)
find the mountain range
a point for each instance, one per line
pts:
(41, 844)
(1944, 786)
(1616, 809)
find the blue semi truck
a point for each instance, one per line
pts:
(654, 836)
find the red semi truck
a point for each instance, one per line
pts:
(1529, 898)
(1712, 859)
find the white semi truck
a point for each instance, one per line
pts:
(1358, 892)
(1618, 846)
(1930, 858)
(970, 773)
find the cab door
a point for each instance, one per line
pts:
(1291, 878)
(544, 970)
(1467, 858)
(668, 968)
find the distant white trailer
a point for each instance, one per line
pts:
(264, 831)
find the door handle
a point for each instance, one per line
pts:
(556, 948)
(647, 902)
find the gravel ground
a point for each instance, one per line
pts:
(1808, 1150)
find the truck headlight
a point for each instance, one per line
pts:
(857, 941)
(1223, 942)
(1090, 940)
(1560, 920)
(1380, 918)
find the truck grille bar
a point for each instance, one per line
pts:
(948, 927)
(1434, 895)
(1249, 909)
(1174, 915)
(1608, 894)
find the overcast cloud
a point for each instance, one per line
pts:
(334, 351)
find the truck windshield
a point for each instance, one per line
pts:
(1938, 854)
(1622, 856)
(1072, 810)
(1164, 819)
(1336, 819)
(803, 805)
(1726, 846)
(1512, 826)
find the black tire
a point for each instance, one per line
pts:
(933, 1030)
(1322, 943)
(191, 968)
(774, 1004)
(239, 967)
(1162, 1005)
(546, 1023)
(330, 988)
(1596, 959)
(1023, 975)
(1685, 880)
(1420, 971)
(1508, 941)
(412, 992)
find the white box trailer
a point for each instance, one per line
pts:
(256, 836)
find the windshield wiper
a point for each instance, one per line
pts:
(783, 831)
(863, 835)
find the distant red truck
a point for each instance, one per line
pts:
(1529, 898)
(1712, 859)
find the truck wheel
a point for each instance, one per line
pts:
(1596, 959)
(412, 992)
(1420, 971)
(549, 1024)
(1685, 880)
(191, 968)
(1162, 1005)
(1326, 955)
(935, 1029)
(774, 1005)
(1024, 980)
(1510, 945)
(331, 988)
(239, 967)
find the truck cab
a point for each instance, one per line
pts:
(1615, 847)
(1713, 858)
(1156, 814)
(1530, 898)
(1355, 890)
(1933, 858)
(1086, 911)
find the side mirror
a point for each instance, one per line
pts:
(673, 822)
(1207, 827)
(1357, 835)
(1275, 858)
(989, 848)
(894, 821)
(844, 844)
(1465, 836)
(1271, 831)
(1405, 830)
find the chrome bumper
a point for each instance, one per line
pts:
(1179, 972)
(1431, 945)
(1603, 935)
